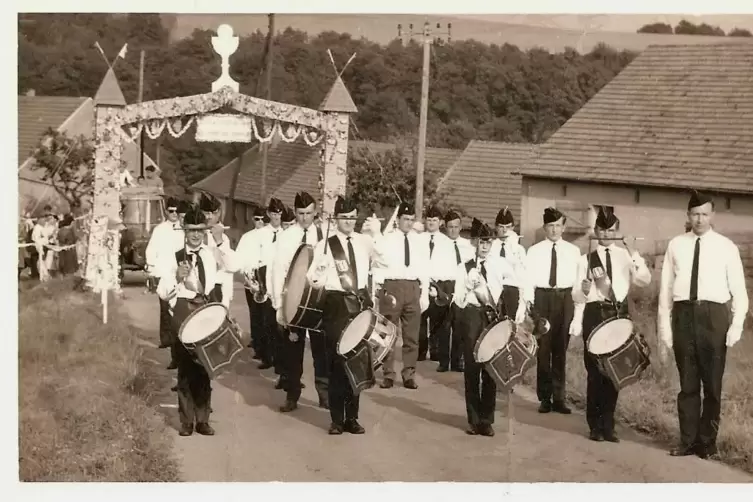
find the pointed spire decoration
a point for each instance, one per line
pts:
(109, 93)
(338, 99)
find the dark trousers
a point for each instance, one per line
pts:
(456, 345)
(601, 394)
(216, 294)
(407, 315)
(343, 403)
(256, 322)
(194, 385)
(293, 353)
(556, 305)
(699, 338)
(509, 301)
(480, 388)
(434, 332)
(264, 330)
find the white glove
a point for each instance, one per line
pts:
(432, 292)
(576, 329)
(472, 279)
(423, 302)
(520, 315)
(281, 318)
(734, 333)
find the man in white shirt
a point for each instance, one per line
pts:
(435, 321)
(551, 266)
(402, 256)
(167, 238)
(255, 251)
(43, 235)
(702, 272)
(219, 244)
(479, 283)
(450, 350)
(341, 266)
(294, 339)
(186, 282)
(597, 300)
(507, 245)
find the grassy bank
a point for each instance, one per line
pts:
(650, 405)
(83, 392)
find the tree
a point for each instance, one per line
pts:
(687, 28)
(67, 164)
(660, 28)
(740, 32)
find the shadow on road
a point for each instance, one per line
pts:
(413, 407)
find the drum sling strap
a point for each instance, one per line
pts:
(594, 261)
(492, 312)
(347, 276)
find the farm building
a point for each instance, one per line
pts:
(677, 118)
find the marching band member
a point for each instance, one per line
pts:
(451, 349)
(702, 271)
(259, 218)
(481, 276)
(552, 265)
(294, 339)
(288, 218)
(342, 302)
(435, 321)
(507, 245)
(596, 301)
(403, 257)
(186, 283)
(166, 239)
(218, 242)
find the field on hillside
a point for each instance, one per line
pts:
(382, 28)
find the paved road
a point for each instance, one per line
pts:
(411, 435)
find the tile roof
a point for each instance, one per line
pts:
(678, 116)
(38, 113)
(481, 181)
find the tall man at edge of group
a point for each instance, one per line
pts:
(294, 339)
(702, 271)
(596, 301)
(551, 266)
(403, 258)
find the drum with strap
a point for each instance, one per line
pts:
(302, 304)
(213, 338)
(621, 354)
(506, 351)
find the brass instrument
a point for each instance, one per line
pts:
(484, 295)
(260, 295)
(442, 299)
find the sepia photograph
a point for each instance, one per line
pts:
(499, 248)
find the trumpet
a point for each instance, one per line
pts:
(535, 323)
(255, 282)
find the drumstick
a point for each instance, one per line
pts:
(326, 242)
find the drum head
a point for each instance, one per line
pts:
(296, 282)
(610, 336)
(354, 332)
(202, 323)
(493, 341)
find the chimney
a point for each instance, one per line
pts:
(31, 93)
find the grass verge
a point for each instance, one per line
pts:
(83, 393)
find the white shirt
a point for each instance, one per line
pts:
(363, 248)
(538, 262)
(497, 271)
(442, 262)
(515, 254)
(225, 258)
(720, 277)
(168, 287)
(256, 248)
(41, 235)
(390, 257)
(165, 241)
(467, 251)
(288, 243)
(626, 270)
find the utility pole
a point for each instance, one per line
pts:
(265, 146)
(141, 99)
(421, 157)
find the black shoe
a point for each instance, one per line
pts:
(545, 407)
(559, 407)
(441, 368)
(434, 357)
(265, 366)
(683, 451)
(324, 402)
(595, 436)
(186, 430)
(289, 406)
(708, 452)
(611, 437)
(421, 357)
(204, 429)
(280, 385)
(256, 357)
(172, 366)
(335, 429)
(410, 384)
(174, 388)
(387, 383)
(472, 430)
(353, 427)
(486, 430)
(457, 369)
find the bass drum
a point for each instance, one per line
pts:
(302, 304)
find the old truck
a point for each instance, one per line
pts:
(143, 208)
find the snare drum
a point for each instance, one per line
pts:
(504, 355)
(212, 338)
(620, 354)
(302, 304)
(364, 344)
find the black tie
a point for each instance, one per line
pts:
(200, 265)
(457, 252)
(609, 265)
(274, 237)
(431, 246)
(553, 268)
(407, 252)
(483, 268)
(353, 265)
(694, 271)
(303, 241)
(502, 249)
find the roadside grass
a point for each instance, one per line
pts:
(83, 393)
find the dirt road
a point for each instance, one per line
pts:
(412, 435)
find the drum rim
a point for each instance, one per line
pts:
(363, 338)
(289, 275)
(194, 313)
(602, 324)
(483, 335)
